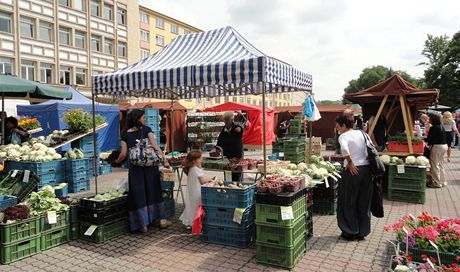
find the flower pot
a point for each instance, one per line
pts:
(394, 146)
(447, 258)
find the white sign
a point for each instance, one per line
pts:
(15, 172)
(401, 169)
(286, 213)
(26, 176)
(238, 215)
(52, 217)
(90, 230)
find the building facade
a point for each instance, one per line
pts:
(65, 42)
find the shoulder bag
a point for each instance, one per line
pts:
(143, 154)
(375, 163)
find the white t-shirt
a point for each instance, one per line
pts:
(450, 127)
(193, 196)
(352, 143)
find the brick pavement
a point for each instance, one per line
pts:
(175, 250)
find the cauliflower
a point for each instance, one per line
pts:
(394, 159)
(38, 146)
(385, 159)
(410, 160)
(51, 151)
(57, 156)
(421, 160)
(301, 166)
(292, 166)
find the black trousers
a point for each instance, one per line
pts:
(354, 202)
(237, 176)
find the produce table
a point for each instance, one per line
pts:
(78, 136)
(36, 130)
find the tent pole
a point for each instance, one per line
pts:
(406, 123)
(94, 138)
(377, 116)
(310, 132)
(264, 129)
(3, 119)
(171, 128)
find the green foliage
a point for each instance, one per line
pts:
(79, 120)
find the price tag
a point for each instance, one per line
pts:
(286, 213)
(26, 176)
(400, 169)
(90, 230)
(238, 215)
(405, 230)
(15, 172)
(434, 245)
(228, 173)
(48, 138)
(326, 182)
(52, 217)
(281, 154)
(431, 264)
(412, 216)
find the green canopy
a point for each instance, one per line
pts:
(12, 87)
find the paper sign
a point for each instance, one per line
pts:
(227, 173)
(48, 138)
(90, 230)
(281, 154)
(286, 213)
(431, 264)
(238, 215)
(411, 216)
(26, 176)
(405, 230)
(15, 172)
(434, 245)
(52, 217)
(400, 169)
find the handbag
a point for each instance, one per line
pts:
(377, 198)
(376, 164)
(143, 154)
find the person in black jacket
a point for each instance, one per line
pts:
(14, 133)
(436, 141)
(231, 141)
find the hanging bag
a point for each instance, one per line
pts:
(376, 164)
(143, 154)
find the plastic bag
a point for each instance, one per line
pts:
(123, 186)
(197, 223)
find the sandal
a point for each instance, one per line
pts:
(165, 225)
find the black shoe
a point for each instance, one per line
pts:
(348, 237)
(360, 238)
(432, 185)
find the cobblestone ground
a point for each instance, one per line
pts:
(175, 250)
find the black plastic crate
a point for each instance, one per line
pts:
(281, 199)
(119, 201)
(325, 194)
(103, 216)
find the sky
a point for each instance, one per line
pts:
(333, 40)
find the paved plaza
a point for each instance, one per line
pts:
(175, 250)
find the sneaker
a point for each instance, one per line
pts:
(165, 225)
(432, 185)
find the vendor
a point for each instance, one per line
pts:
(231, 141)
(14, 133)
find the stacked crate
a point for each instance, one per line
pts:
(294, 150)
(109, 218)
(167, 189)
(281, 242)
(152, 120)
(309, 197)
(49, 173)
(315, 146)
(86, 144)
(408, 184)
(74, 221)
(78, 175)
(55, 234)
(325, 198)
(104, 168)
(295, 126)
(222, 206)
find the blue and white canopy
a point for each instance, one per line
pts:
(206, 64)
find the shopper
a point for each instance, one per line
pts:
(379, 135)
(425, 121)
(231, 141)
(359, 123)
(355, 188)
(449, 128)
(14, 133)
(192, 168)
(145, 200)
(438, 148)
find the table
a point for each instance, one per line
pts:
(78, 136)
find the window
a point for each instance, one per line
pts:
(145, 36)
(227, 99)
(160, 23)
(65, 3)
(28, 70)
(234, 99)
(80, 76)
(96, 72)
(122, 49)
(5, 22)
(46, 73)
(96, 43)
(108, 46)
(160, 40)
(144, 17)
(217, 100)
(187, 31)
(174, 29)
(64, 36)
(80, 39)
(95, 8)
(64, 75)
(5, 66)
(144, 53)
(46, 31)
(249, 100)
(108, 11)
(80, 5)
(121, 13)
(27, 27)
(241, 100)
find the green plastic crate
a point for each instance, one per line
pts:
(281, 236)
(20, 230)
(74, 231)
(406, 184)
(410, 172)
(286, 257)
(62, 220)
(16, 251)
(271, 214)
(53, 238)
(406, 196)
(104, 232)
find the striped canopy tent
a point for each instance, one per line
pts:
(219, 62)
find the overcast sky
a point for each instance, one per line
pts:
(333, 40)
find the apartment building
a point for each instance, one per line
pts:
(65, 42)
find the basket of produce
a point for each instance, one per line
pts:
(277, 184)
(107, 200)
(228, 194)
(14, 184)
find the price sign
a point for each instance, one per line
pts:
(286, 213)
(412, 216)
(48, 138)
(26, 176)
(90, 230)
(281, 154)
(238, 215)
(401, 169)
(431, 264)
(15, 172)
(52, 217)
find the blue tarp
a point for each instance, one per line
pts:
(50, 115)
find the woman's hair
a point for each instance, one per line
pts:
(12, 120)
(435, 118)
(189, 161)
(447, 118)
(133, 119)
(343, 120)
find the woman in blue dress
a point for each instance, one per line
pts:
(145, 200)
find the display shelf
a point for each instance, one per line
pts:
(203, 128)
(77, 136)
(35, 130)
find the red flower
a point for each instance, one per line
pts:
(433, 260)
(387, 228)
(423, 256)
(409, 258)
(454, 265)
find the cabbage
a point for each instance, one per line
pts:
(301, 166)
(57, 156)
(292, 166)
(410, 160)
(394, 159)
(50, 151)
(385, 159)
(79, 153)
(422, 161)
(314, 159)
(70, 155)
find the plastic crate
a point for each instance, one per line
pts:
(309, 197)
(223, 217)
(20, 230)
(228, 197)
(53, 238)
(326, 207)
(79, 186)
(16, 251)
(73, 213)
(62, 192)
(241, 238)
(77, 165)
(78, 175)
(330, 193)
(406, 184)
(447, 258)
(74, 231)
(410, 172)
(281, 236)
(406, 196)
(167, 185)
(7, 201)
(271, 214)
(27, 187)
(309, 228)
(102, 216)
(62, 220)
(286, 257)
(104, 169)
(104, 232)
(281, 199)
(38, 168)
(119, 201)
(170, 208)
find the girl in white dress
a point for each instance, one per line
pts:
(192, 168)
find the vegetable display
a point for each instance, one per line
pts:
(233, 185)
(44, 200)
(13, 213)
(107, 196)
(74, 154)
(13, 184)
(409, 160)
(79, 120)
(28, 123)
(34, 152)
(277, 184)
